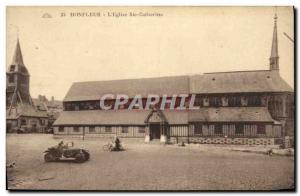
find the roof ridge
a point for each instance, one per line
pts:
(172, 76)
(124, 79)
(238, 71)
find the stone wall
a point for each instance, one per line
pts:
(239, 141)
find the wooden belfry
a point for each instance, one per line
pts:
(17, 83)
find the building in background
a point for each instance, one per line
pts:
(22, 112)
(241, 107)
(52, 107)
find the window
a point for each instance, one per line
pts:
(218, 129)
(198, 129)
(91, 129)
(60, 129)
(141, 129)
(76, 129)
(261, 129)
(224, 101)
(198, 101)
(125, 129)
(12, 68)
(42, 121)
(23, 122)
(234, 101)
(244, 101)
(33, 122)
(254, 101)
(92, 106)
(67, 106)
(108, 129)
(82, 106)
(215, 101)
(239, 129)
(205, 101)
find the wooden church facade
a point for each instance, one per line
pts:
(238, 118)
(242, 107)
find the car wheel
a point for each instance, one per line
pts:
(79, 158)
(86, 155)
(49, 157)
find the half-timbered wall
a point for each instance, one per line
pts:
(230, 133)
(232, 100)
(225, 130)
(282, 108)
(192, 130)
(29, 124)
(102, 131)
(179, 130)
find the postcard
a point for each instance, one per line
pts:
(181, 98)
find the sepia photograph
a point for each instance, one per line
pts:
(150, 98)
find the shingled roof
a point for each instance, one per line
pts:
(138, 117)
(17, 64)
(222, 82)
(46, 104)
(239, 82)
(115, 117)
(231, 114)
(26, 110)
(80, 91)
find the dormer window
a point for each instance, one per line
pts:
(12, 68)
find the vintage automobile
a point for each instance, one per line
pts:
(66, 151)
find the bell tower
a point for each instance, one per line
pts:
(17, 81)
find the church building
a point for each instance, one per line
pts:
(21, 114)
(241, 107)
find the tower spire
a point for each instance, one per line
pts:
(18, 58)
(274, 58)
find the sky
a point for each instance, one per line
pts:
(60, 48)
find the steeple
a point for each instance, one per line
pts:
(274, 58)
(17, 58)
(17, 82)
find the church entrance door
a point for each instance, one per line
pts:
(155, 131)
